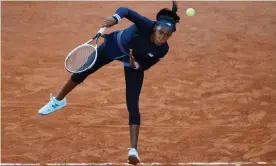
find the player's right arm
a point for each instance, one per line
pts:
(140, 21)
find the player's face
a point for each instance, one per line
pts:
(162, 34)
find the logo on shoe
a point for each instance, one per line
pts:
(55, 106)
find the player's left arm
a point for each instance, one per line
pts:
(146, 64)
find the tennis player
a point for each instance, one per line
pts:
(145, 42)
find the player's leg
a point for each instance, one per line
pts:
(59, 101)
(67, 88)
(134, 81)
(78, 78)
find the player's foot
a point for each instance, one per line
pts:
(52, 105)
(133, 157)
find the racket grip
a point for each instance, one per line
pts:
(101, 30)
(99, 33)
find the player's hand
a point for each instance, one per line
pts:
(108, 22)
(131, 59)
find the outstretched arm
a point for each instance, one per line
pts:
(123, 12)
(145, 64)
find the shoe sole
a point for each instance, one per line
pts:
(133, 160)
(52, 111)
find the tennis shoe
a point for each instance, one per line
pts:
(52, 105)
(133, 157)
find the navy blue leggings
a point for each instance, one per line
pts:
(133, 79)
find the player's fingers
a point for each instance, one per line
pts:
(131, 61)
(104, 24)
(132, 57)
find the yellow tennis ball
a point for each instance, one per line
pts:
(190, 12)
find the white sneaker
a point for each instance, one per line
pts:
(133, 157)
(52, 105)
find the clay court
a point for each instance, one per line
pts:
(211, 99)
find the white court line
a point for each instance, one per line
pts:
(11, 164)
(114, 164)
(190, 163)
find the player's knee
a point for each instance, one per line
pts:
(134, 118)
(78, 78)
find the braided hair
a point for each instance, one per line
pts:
(168, 16)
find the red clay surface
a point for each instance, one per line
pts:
(213, 98)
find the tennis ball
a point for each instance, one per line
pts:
(190, 12)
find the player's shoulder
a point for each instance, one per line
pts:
(149, 21)
(163, 50)
(166, 47)
(148, 24)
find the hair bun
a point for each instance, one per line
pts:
(168, 15)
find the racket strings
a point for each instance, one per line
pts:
(81, 59)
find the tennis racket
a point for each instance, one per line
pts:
(84, 56)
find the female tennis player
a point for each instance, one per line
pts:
(145, 42)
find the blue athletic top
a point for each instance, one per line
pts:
(137, 37)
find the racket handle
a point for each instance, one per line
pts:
(101, 30)
(99, 33)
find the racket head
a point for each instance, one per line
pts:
(81, 58)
